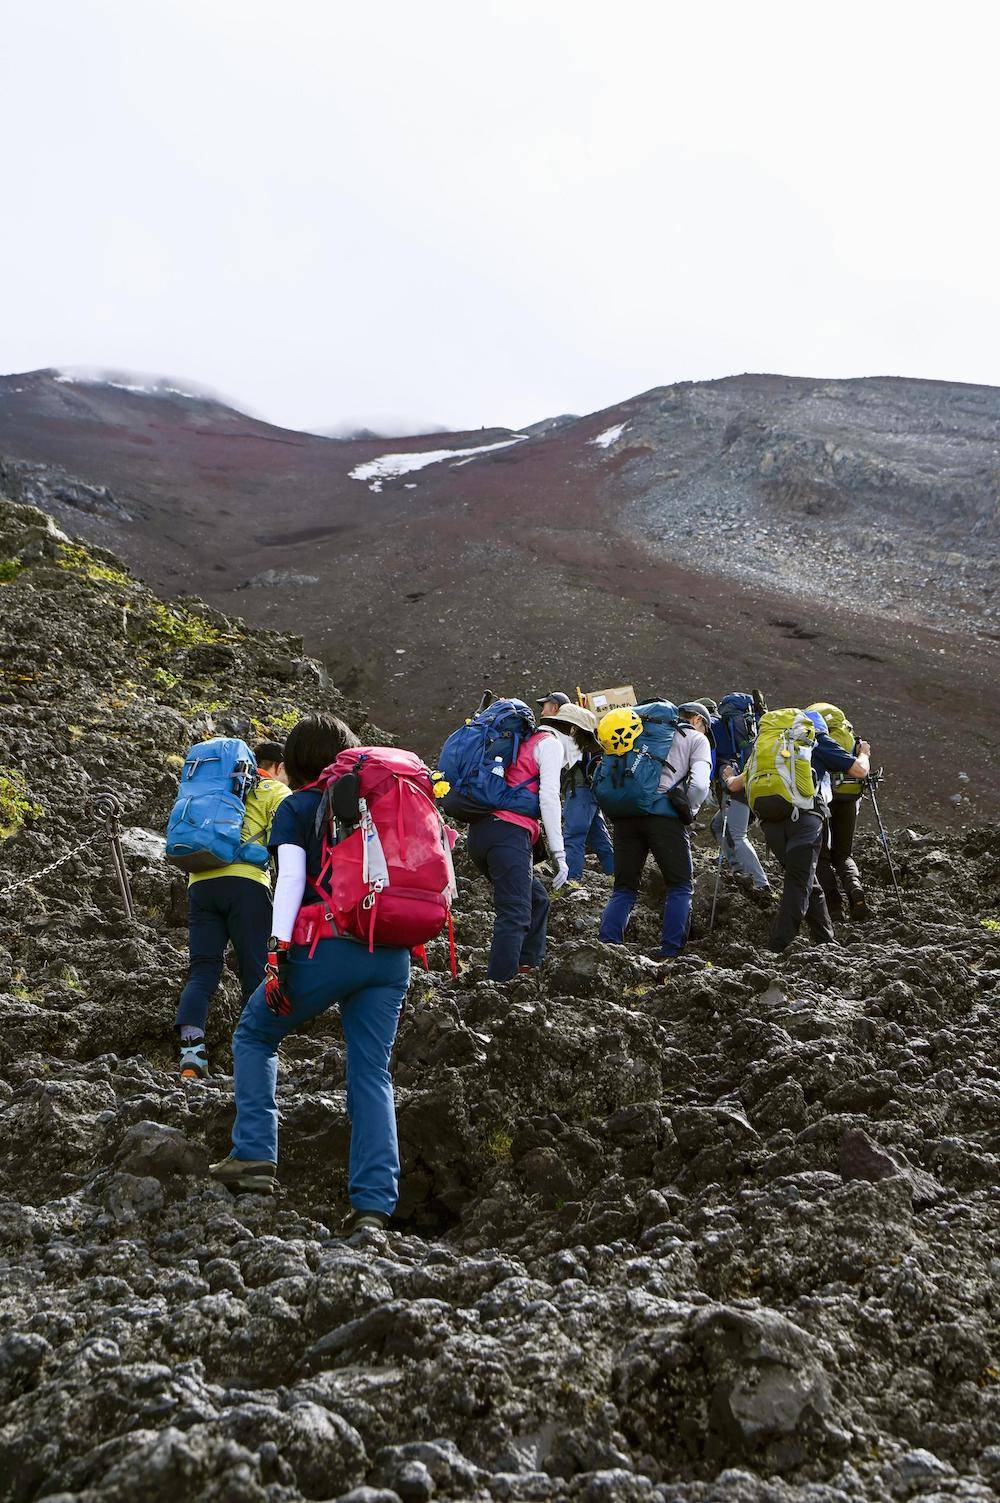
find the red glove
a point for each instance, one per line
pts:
(276, 977)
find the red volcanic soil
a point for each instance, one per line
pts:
(661, 560)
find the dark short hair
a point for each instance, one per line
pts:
(269, 753)
(312, 744)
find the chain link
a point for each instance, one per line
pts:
(103, 806)
(46, 870)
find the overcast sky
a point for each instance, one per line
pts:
(474, 212)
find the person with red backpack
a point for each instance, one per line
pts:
(364, 877)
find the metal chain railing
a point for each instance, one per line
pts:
(107, 810)
(45, 870)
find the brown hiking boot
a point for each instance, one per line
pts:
(363, 1221)
(251, 1176)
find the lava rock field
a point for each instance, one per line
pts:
(726, 1231)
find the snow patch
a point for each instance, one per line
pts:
(392, 465)
(609, 436)
(158, 389)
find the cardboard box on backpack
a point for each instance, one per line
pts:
(603, 700)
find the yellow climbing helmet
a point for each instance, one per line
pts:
(619, 731)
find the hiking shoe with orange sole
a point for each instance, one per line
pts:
(194, 1061)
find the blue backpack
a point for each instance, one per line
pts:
(736, 728)
(630, 784)
(475, 760)
(205, 828)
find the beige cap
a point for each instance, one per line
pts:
(567, 715)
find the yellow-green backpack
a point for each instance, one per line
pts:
(840, 729)
(779, 770)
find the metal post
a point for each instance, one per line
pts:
(107, 811)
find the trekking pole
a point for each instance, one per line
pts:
(870, 784)
(107, 811)
(718, 869)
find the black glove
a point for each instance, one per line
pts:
(276, 977)
(681, 803)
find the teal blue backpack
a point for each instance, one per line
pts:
(629, 784)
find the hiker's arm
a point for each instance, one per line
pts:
(734, 785)
(549, 756)
(699, 779)
(290, 886)
(862, 764)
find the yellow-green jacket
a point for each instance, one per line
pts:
(262, 805)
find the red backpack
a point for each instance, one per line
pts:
(403, 900)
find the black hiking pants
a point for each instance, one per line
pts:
(795, 845)
(223, 910)
(836, 857)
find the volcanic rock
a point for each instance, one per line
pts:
(720, 1232)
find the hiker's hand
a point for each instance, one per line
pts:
(562, 873)
(864, 749)
(276, 979)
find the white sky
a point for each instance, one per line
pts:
(477, 212)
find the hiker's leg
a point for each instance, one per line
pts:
(599, 842)
(800, 852)
(208, 935)
(249, 919)
(720, 823)
(843, 826)
(825, 874)
(311, 990)
(505, 851)
(786, 924)
(630, 851)
(818, 918)
(671, 848)
(577, 811)
(739, 852)
(533, 949)
(817, 913)
(370, 1016)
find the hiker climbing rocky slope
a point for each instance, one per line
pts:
(721, 1233)
(750, 529)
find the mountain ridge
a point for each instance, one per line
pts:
(831, 538)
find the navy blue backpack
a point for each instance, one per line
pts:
(735, 729)
(475, 760)
(205, 828)
(629, 784)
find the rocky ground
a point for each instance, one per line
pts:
(725, 1232)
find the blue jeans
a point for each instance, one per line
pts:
(502, 852)
(370, 989)
(221, 909)
(584, 830)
